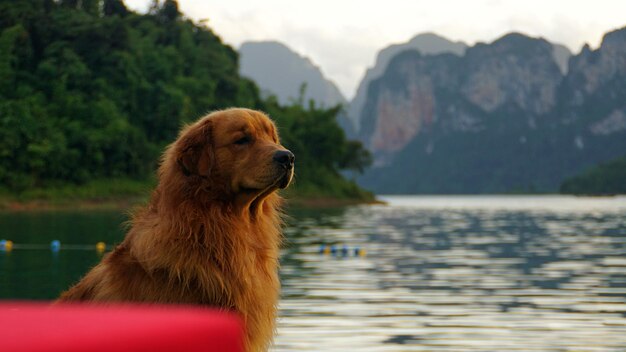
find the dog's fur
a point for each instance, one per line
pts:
(210, 233)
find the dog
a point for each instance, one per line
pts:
(211, 231)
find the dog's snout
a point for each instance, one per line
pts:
(285, 158)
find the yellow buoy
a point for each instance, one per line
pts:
(327, 250)
(101, 246)
(362, 252)
(8, 246)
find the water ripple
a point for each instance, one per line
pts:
(458, 274)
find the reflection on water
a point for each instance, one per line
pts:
(458, 274)
(441, 273)
(40, 273)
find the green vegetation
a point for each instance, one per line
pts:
(605, 179)
(92, 92)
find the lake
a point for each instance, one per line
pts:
(423, 273)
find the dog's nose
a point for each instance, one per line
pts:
(285, 158)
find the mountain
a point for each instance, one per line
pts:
(503, 117)
(561, 54)
(280, 71)
(426, 43)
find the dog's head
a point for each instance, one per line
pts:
(236, 151)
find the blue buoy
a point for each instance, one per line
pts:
(322, 248)
(55, 245)
(333, 249)
(356, 251)
(344, 250)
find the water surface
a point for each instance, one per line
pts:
(470, 273)
(459, 274)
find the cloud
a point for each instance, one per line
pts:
(342, 55)
(343, 37)
(341, 52)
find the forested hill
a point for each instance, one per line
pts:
(605, 179)
(91, 90)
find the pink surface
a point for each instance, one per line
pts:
(67, 328)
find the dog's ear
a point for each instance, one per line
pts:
(188, 160)
(196, 151)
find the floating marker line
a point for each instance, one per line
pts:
(72, 247)
(54, 246)
(341, 251)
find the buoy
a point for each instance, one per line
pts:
(362, 252)
(6, 245)
(326, 250)
(322, 249)
(101, 246)
(55, 245)
(333, 249)
(344, 250)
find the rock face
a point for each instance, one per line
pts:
(281, 72)
(426, 43)
(403, 103)
(515, 69)
(502, 117)
(561, 55)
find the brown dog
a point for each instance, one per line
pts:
(210, 234)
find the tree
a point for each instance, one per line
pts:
(71, 4)
(8, 59)
(355, 157)
(85, 96)
(114, 7)
(169, 10)
(92, 7)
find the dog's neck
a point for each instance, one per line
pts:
(209, 226)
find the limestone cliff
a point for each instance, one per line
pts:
(425, 43)
(502, 117)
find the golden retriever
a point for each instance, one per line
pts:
(211, 231)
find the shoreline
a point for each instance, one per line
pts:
(43, 205)
(329, 202)
(9, 205)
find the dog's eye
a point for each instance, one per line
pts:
(243, 140)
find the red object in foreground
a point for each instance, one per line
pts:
(95, 328)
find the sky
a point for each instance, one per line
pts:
(342, 37)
